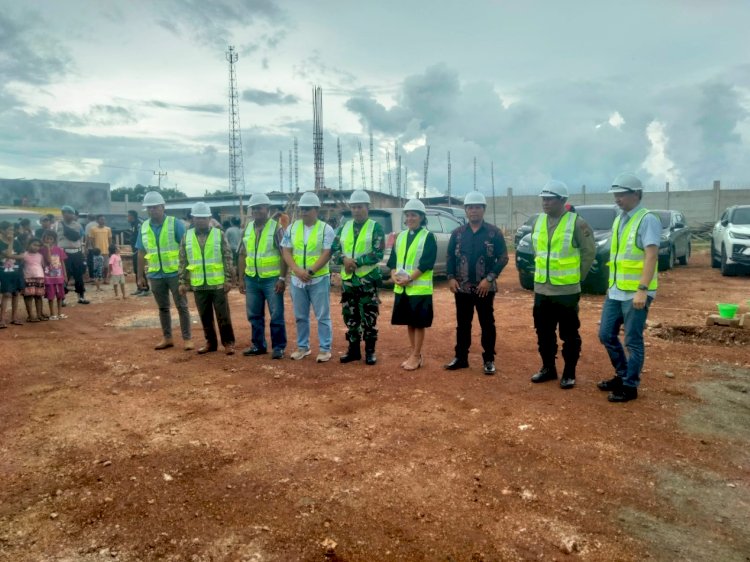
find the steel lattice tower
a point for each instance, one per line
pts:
(236, 165)
(320, 181)
(341, 178)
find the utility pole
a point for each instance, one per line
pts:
(426, 169)
(160, 174)
(449, 179)
(341, 179)
(398, 178)
(236, 166)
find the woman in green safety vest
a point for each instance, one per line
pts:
(411, 262)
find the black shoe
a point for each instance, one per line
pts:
(623, 394)
(615, 383)
(144, 293)
(136, 293)
(353, 353)
(456, 364)
(567, 382)
(370, 357)
(82, 300)
(545, 374)
(277, 354)
(254, 351)
(489, 367)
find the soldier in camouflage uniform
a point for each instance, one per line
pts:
(358, 249)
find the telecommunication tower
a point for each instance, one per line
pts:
(362, 165)
(388, 171)
(318, 138)
(236, 166)
(372, 179)
(426, 169)
(281, 170)
(296, 165)
(291, 188)
(341, 178)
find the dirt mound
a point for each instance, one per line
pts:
(704, 335)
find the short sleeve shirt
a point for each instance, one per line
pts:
(328, 236)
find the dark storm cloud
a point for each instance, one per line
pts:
(196, 107)
(27, 54)
(212, 22)
(262, 97)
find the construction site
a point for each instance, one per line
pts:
(114, 451)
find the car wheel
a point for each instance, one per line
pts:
(727, 270)
(668, 261)
(598, 284)
(715, 261)
(526, 280)
(684, 259)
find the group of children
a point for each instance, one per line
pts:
(35, 268)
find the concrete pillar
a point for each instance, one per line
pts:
(509, 224)
(667, 192)
(717, 199)
(583, 193)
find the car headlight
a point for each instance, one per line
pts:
(524, 244)
(602, 242)
(738, 235)
(665, 236)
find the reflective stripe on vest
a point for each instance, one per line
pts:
(206, 265)
(361, 247)
(556, 260)
(626, 258)
(162, 254)
(408, 261)
(266, 262)
(305, 255)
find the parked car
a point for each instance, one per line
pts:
(458, 213)
(392, 220)
(14, 215)
(675, 239)
(730, 240)
(600, 218)
(118, 222)
(525, 228)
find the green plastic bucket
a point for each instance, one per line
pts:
(727, 310)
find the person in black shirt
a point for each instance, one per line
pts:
(476, 256)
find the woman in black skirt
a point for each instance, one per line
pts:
(411, 262)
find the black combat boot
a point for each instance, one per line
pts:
(352, 354)
(370, 357)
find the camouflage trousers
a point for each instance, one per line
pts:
(360, 308)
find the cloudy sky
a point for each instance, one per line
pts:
(578, 90)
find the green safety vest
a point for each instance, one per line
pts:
(206, 265)
(305, 255)
(266, 261)
(556, 260)
(408, 261)
(361, 247)
(626, 258)
(162, 254)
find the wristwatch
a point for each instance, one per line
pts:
(311, 272)
(643, 287)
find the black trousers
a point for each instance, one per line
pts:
(549, 313)
(485, 306)
(208, 301)
(76, 266)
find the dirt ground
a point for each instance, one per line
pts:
(113, 451)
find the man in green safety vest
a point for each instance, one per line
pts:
(634, 253)
(263, 278)
(358, 248)
(206, 268)
(306, 249)
(158, 246)
(564, 250)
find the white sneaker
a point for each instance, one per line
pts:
(323, 356)
(300, 354)
(53, 317)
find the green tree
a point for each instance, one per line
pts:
(136, 193)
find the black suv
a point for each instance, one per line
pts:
(675, 239)
(600, 218)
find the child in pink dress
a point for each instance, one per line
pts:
(33, 274)
(54, 274)
(117, 275)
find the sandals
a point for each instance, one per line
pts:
(16, 322)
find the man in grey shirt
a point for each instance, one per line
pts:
(71, 238)
(634, 253)
(564, 250)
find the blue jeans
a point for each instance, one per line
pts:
(258, 292)
(319, 296)
(614, 315)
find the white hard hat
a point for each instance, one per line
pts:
(259, 199)
(201, 209)
(554, 188)
(309, 199)
(475, 198)
(415, 205)
(625, 183)
(359, 196)
(153, 198)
